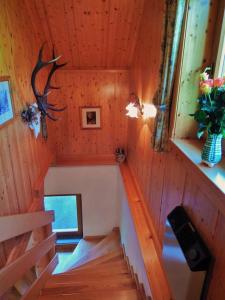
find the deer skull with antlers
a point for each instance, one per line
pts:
(42, 98)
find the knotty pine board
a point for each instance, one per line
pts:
(107, 89)
(99, 33)
(22, 157)
(166, 179)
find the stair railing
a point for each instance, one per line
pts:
(15, 225)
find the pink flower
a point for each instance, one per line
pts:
(218, 82)
(209, 82)
(205, 88)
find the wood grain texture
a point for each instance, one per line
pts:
(92, 33)
(34, 291)
(22, 157)
(11, 273)
(14, 225)
(110, 91)
(146, 238)
(169, 179)
(199, 38)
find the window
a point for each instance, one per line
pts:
(197, 39)
(220, 60)
(68, 214)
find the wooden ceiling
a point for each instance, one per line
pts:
(91, 33)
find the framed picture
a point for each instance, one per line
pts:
(6, 105)
(90, 117)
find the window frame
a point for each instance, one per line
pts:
(219, 70)
(182, 125)
(220, 58)
(72, 234)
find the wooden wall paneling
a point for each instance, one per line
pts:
(107, 89)
(14, 198)
(142, 170)
(148, 156)
(144, 79)
(10, 203)
(215, 195)
(100, 93)
(146, 62)
(21, 174)
(171, 179)
(202, 212)
(122, 91)
(23, 158)
(173, 188)
(217, 290)
(155, 184)
(3, 198)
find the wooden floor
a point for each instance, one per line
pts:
(101, 273)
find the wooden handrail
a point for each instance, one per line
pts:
(14, 225)
(14, 271)
(152, 262)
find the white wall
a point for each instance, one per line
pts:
(129, 238)
(98, 188)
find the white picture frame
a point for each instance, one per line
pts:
(6, 103)
(90, 117)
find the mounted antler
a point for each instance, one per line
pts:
(42, 99)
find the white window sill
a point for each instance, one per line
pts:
(192, 150)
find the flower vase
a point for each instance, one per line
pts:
(212, 150)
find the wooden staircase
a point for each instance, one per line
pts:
(101, 273)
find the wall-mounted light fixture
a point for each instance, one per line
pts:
(136, 109)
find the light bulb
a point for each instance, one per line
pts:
(132, 110)
(149, 111)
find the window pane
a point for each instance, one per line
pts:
(223, 65)
(65, 208)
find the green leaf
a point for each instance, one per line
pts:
(200, 116)
(200, 133)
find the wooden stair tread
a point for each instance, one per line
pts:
(130, 294)
(74, 280)
(82, 248)
(90, 273)
(109, 244)
(102, 267)
(110, 257)
(101, 274)
(107, 283)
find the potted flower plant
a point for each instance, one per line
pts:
(210, 116)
